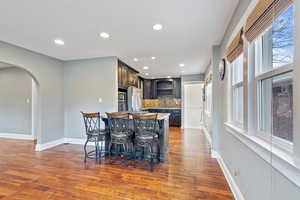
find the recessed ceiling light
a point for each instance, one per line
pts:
(181, 65)
(157, 27)
(135, 59)
(168, 76)
(146, 67)
(182, 71)
(59, 42)
(104, 35)
(153, 58)
(146, 74)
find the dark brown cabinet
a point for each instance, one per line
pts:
(177, 88)
(147, 89)
(175, 115)
(127, 76)
(132, 78)
(161, 88)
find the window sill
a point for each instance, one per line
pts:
(284, 162)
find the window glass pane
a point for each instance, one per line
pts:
(258, 55)
(264, 105)
(275, 47)
(282, 94)
(283, 38)
(237, 70)
(237, 102)
(276, 106)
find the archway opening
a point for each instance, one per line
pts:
(19, 103)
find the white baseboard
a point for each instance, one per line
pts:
(48, 145)
(16, 136)
(193, 127)
(207, 135)
(232, 184)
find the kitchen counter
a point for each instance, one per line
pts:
(163, 108)
(160, 116)
(175, 114)
(162, 130)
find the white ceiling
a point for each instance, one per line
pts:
(190, 28)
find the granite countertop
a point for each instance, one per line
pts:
(163, 108)
(160, 116)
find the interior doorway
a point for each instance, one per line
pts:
(193, 105)
(18, 103)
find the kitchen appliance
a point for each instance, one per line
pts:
(135, 98)
(122, 101)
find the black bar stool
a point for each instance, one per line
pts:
(94, 134)
(120, 137)
(146, 136)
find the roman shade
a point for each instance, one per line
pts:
(236, 47)
(262, 16)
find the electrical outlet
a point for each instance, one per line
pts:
(236, 173)
(100, 100)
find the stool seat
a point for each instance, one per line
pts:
(119, 135)
(97, 132)
(147, 136)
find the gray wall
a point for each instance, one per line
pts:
(257, 179)
(48, 72)
(85, 82)
(15, 90)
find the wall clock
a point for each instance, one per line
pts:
(222, 69)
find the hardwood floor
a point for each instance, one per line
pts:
(60, 174)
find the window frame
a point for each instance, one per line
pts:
(234, 86)
(283, 144)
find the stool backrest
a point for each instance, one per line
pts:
(144, 123)
(91, 122)
(118, 122)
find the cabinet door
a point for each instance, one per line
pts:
(130, 77)
(135, 80)
(147, 89)
(154, 89)
(120, 76)
(177, 88)
(124, 76)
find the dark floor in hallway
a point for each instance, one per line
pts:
(60, 174)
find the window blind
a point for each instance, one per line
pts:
(236, 47)
(263, 15)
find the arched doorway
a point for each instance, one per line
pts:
(11, 98)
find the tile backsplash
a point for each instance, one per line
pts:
(162, 103)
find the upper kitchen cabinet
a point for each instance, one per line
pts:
(127, 76)
(177, 88)
(162, 88)
(147, 89)
(165, 88)
(132, 78)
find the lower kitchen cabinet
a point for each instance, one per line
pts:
(175, 115)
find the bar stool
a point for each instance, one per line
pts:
(146, 136)
(120, 137)
(94, 134)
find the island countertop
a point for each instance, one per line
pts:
(160, 116)
(162, 130)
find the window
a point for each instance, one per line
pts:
(273, 52)
(237, 89)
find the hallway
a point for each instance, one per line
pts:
(60, 173)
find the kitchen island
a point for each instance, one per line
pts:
(162, 130)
